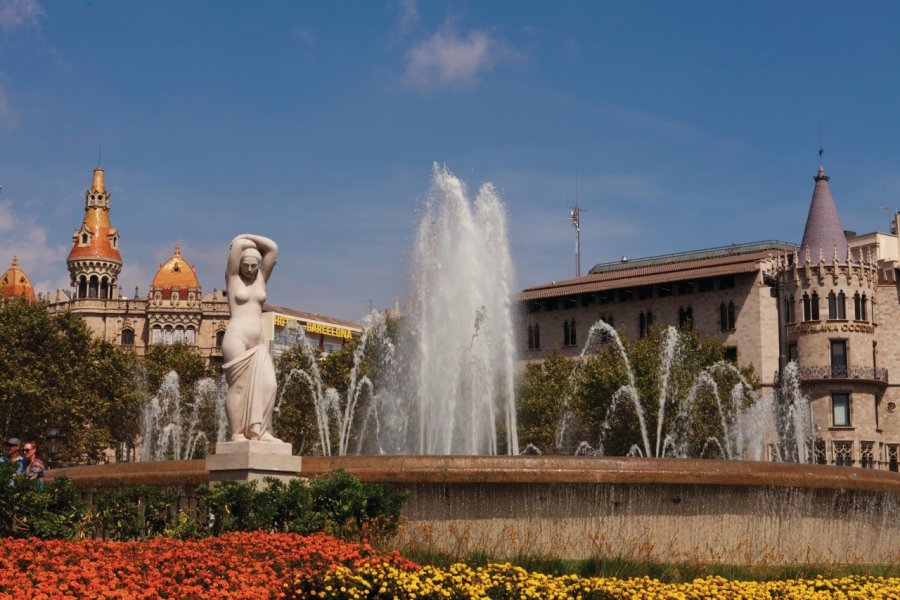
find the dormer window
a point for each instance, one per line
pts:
(84, 239)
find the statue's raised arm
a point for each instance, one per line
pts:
(248, 367)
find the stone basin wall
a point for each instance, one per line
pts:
(582, 507)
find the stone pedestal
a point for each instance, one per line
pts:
(252, 460)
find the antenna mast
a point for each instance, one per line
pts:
(575, 216)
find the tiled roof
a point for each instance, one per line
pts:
(660, 269)
(96, 223)
(824, 232)
(176, 272)
(15, 283)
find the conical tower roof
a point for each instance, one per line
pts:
(16, 283)
(824, 232)
(101, 240)
(176, 272)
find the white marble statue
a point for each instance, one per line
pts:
(248, 367)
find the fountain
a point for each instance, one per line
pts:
(171, 427)
(448, 389)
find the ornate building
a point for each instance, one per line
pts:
(831, 305)
(15, 283)
(174, 310)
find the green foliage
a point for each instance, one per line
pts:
(353, 509)
(592, 384)
(338, 503)
(132, 513)
(56, 374)
(30, 508)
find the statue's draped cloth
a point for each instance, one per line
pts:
(243, 371)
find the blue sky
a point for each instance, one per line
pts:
(688, 124)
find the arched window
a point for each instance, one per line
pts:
(190, 336)
(832, 306)
(841, 305)
(572, 338)
(864, 302)
(82, 287)
(156, 336)
(566, 333)
(537, 336)
(642, 324)
(857, 307)
(104, 288)
(128, 337)
(179, 334)
(530, 337)
(790, 313)
(814, 306)
(220, 337)
(168, 334)
(807, 307)
(93, 286)
(686, 317)
(649, 320)
(84, 239)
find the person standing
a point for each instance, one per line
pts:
(12, 454)
(34, 466)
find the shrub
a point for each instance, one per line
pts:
(29, 508)
(132, 513)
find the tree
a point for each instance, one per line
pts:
(603, 413)
(55, 374)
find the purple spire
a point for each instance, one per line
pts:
(823, 230)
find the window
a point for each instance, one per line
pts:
(128, 337)
(534, 306)
(731, 354)
(605, 297)
(867, 455)
(832, 306)
(537, 336)
(220, 337)
(726, 282)
(156, 335)
(551, 303)
(792, 352)
(605, 337)
(840, 409)
(814, 305)
(84, 238)
(569, 333)
(790, 315)
(843, 454)
(857, 307)
(841, 305)
(645, 292)
(686, 317)
(685, 287)
(819, 452)
(664, 290)
(705, 285)
(626, 295)
(865, 301)
(893, 457)
(587, 299)
(727, 316)
(570, 302)
(530, 337)
(807, 308)
(642, 324)
(190, 336)
(838, 358)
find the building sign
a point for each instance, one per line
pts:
(807, 328)
(329, 330)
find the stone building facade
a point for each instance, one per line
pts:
(175, 309)
(831, 305)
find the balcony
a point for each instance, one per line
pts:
(850, 373)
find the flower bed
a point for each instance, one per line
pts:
(279, 565)
(234, 565)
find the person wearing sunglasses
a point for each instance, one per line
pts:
(34, 466)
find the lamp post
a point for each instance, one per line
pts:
(52, 445)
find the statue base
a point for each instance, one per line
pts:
(252, 460)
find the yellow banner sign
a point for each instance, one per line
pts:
(329, 330)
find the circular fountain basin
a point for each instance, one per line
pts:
(667, 510)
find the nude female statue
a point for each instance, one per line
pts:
(248, 367)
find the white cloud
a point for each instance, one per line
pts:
(25, 238)
(19, 13)
(447, 59)
(409, 15)
(307, 36)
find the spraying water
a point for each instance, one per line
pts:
(453, 387)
